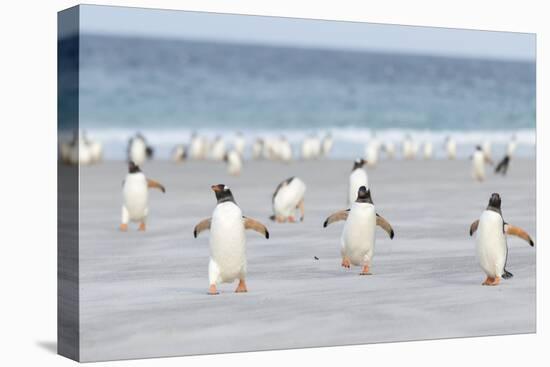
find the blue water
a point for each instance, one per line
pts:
(169, 88)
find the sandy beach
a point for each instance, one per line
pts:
(144, 294)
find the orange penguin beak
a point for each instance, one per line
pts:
(216, 188)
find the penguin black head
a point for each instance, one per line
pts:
(223, 193)
(358, 163)
(363, 195)
(133, 168)
(494, 202)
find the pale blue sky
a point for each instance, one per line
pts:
(306, 33)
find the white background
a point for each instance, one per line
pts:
(28, 181)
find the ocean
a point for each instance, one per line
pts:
(168, 89)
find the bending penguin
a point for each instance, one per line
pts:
(135, 194)
(358, 236)
(288, 196)
(357, 178)
(227, 240)
(492, 249)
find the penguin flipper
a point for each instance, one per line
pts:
(202, 226)
(385, 225)
(518, 232)
(152, 184)
(335, 217)
(254, 225)
(473, 227)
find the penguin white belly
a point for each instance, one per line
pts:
(227, 244)
(135, 195)
(372, 154)
(478, 166)
(138, 152)
(451, 150)
(288, 198)
(357, 179)
(428, 150)
(491, 244)
(234, 163)
(286, 151)
(358, 234)
(84, 154)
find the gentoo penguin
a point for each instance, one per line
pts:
(239, 143)
(285, 150)
(96, 151)
(371, 152)
(389, 149)
(218, 149)
(408, 147)
(428, 150)
(257, 148)
(512, 145)
(492, 249)
(288, 196)
(358, 236)
(196, 147)
(234, 162)
(179, 154)
(135, 195)
(326, 145)
(83, 154)
(311, 147)
(450, 147)
(138, 150)
(478, 164)
(227, 240)
(502, 166)
(357, 178)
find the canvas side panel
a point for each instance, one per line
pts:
(68, 331)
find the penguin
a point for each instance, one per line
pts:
(492, 248)
(139, 150)
(239, 144)
(428, 150)
(288, 196)
(217, 152)
(227, 240)
(326, 145)
(478, 164)
(285, 150)
(234, 162)
(311, 147)
(502, 166)
(357, 178)
(408, 147)
(135, 195)
(512, 145)
(486, 147)
(389, 149)
(81, 153)
(257, 148)
(371, 152)
(450, 147)
(96, 151)
(179, 154)
(196, 147)
(358, 235)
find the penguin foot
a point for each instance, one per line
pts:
(279, 219)
(241, 288)
(124, 227)
(365, 271)
(491, 281)
(141, 227)
(346, 263)
(291, 220)
(212, 290)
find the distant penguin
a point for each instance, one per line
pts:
(326, 145)
(492, 248)
(96, 151)
(239, 144)
(196, 147)
(502, 166)
(227, 240)
(357, 178)
(450, 147)
(284, 150)
(288, 196)
(84, 153)
(428, 150)
(135, 197)
(409, 148)
(179, 154)
(138, 150)
(358, 236)
(478, 164)
(371, 152)
(234, 162)
(389, 149)
(217, 152)
(311, 147)
(257, 148)
(512, 146)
